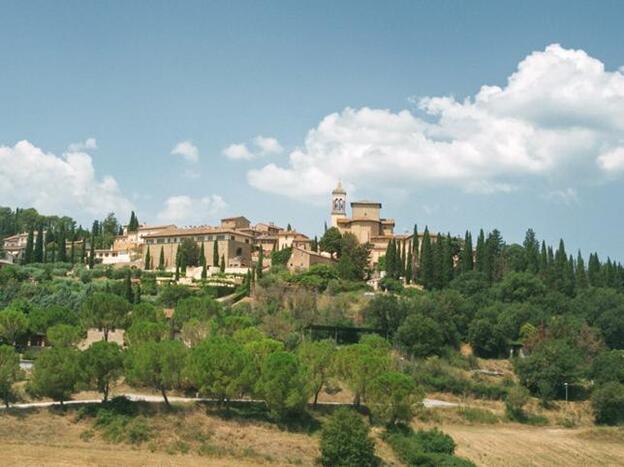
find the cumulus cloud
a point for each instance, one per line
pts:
(186, 150)
(52, 184)
(264, 146)
(88, 144)
(267, 145)
(558, 120)
(185, 210)
(238, 152)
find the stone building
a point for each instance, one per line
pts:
(234, 245)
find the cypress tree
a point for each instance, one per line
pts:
(543, 260)
(427, 261)
(593, 270)
(415, 244)
(480, 253)
(447, 257)
(133, 225)
(531, 251)
(204, 272)
(62, 248)
(389, 259)
(400, 259)
(83, 250)
(137, 294)
(129, 294)
(92, 252)
(38, 251)
(222, 265)
(147, 260)
(260, 262)
(438, 261)
(467, 261)
(409, 272)
(161, 260)
(202, 256)
(72, 253)
(569, 277)
(581, 274)
(215, 254)
(289, 228)
(28, 252)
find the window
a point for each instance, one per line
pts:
(220, 237)
(239, 252)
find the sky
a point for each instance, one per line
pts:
(456, 115)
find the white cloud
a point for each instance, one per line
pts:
(185, 210)
(559, 120)
(566, 196)
(64, 185)
(187, 150)
(268, 145)
(265, 146)
(238, 151)
(612, 161)
(88, 144)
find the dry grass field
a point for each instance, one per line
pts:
(198, 435)
(520, 445)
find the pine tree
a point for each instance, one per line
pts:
(161, 260)
(28, 252)
(467, 260)
(480, 252)
(531, 250)
(148, 260)
(215, 254)
(427, 261)
(260, 262)
(38, 251)
(222, 265)
(581, 274)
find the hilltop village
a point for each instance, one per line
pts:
(235, 245)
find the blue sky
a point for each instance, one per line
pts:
(95, 96)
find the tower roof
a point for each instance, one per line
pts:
(339, 189)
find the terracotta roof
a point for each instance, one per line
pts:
(234, 218)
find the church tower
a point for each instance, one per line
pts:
(339, 204)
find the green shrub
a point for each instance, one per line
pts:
(431, 448)
(345, 441)
(608, 404)
(435, 441)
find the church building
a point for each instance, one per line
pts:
(365, 223)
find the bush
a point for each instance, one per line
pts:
(431, 448)
(435, 441)
(516, 399)
(608, 404)
(345, 441)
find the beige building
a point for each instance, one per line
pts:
(234, 245)
(301, 259)
(15, 245)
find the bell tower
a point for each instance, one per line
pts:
(339, 204)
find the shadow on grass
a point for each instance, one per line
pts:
(258, 412)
